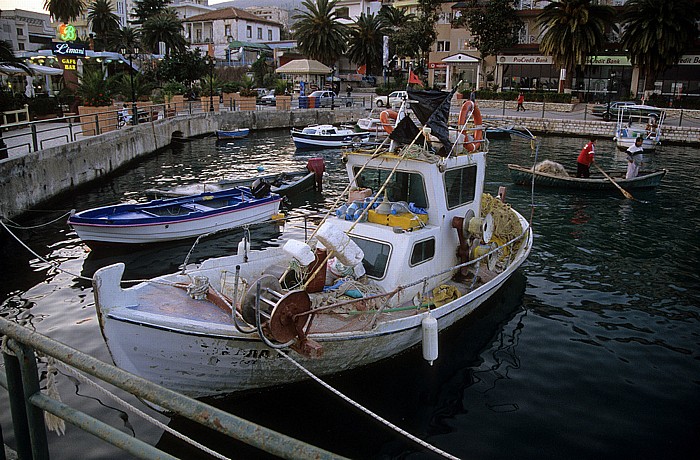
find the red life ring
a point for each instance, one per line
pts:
(468, 108)
(388, 119)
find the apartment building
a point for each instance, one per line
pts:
(26, 30)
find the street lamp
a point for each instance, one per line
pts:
(211, 62)
(130, 55)
(611, 81)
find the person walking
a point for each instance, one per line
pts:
(585, 159)
(521, 100)
(349, 91)
(634, 158)
(472, 95)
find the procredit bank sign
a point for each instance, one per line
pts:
(524, 59)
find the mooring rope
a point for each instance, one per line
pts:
(367, 411)
(18, 227)
(82, 378)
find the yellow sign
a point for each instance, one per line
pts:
(69, 64)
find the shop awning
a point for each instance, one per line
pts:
(237, 44)
(37, 69)
(460, 58)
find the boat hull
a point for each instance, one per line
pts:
(172, 219)
(234, 134)
(212, 358)
(317, 142)
(523, 176)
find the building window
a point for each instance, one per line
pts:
(198, 34)
(20, 31)
(227, 29)
(259, 33)
(343, 12)
(20, 46)
(269, 35)
(249, 31)
(443, 45)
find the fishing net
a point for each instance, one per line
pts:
(505, 223)
(551, 167)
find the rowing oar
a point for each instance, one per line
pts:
(627, 194)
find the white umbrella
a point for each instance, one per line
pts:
(29, 92)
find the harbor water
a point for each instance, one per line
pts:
(591, 351)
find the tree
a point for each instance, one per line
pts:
(365, 44)
(64, 11)
(573, 30)
(495, 26)
(657, 32)
(415, 39)
(163, 27)
(318, 32)
(145, 9)
(8, 58)
(126, 37)
(103, 21)
(393, 18)
(184, 67)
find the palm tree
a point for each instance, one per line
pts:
(572, 30)
(8, 58)
(657, 32)
(318, 32)
(64, 10)
(394, 18)
(365, 44)
(103, 21)
(163, 27)
(125, 38)
(145, 9)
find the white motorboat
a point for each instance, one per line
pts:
(326, 137)
(635, 121)
(412, 246)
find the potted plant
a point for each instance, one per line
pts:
(283, 98)
(94, 92)
(209, 95)
(247, 94)
(174, 95)
(229, 90)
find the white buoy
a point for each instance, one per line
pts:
(430, 338)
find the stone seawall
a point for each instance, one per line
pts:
(601, 129)
(30, 179)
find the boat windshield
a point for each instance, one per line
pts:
(460, 186)
(403, 186)
(376, 256)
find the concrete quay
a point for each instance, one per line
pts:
(28, 179)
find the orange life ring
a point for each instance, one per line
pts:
(388, 119)
(468, 108)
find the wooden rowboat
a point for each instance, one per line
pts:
(646, 179)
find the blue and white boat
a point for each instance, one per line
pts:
(326, 137)
(232, 134)
(174, 218)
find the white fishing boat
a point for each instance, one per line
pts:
(326, 137)
(635, 121)
(412, 246)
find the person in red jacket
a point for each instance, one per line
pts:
(585, 159)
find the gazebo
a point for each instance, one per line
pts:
(304, 70)
(463, 67)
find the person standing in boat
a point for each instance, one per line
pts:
(634, 158)
(585, 159)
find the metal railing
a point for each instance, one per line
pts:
(28, 404)
(32, 136)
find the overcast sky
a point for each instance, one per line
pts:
(38, 5)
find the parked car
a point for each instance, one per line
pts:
(392, 100)
(261, 92)
(326, 98)
(269, 98)
(631, 108)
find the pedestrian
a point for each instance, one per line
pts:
(349, 91)
(521, 99)
(472, 96)
(585, 159)
(634, 158)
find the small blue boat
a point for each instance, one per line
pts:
(175, 218)
(232, 134)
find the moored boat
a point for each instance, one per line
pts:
(647, 179)
(648, 126)
(174, 218)
(232, 133)
(414, 246)
(326, 137)
(283, 184)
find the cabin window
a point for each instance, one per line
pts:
(403, 186)
(460, 185)
(422, 251)
(376, 256)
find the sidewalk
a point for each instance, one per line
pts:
(48, 134)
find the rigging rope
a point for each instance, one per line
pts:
(367, 411)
